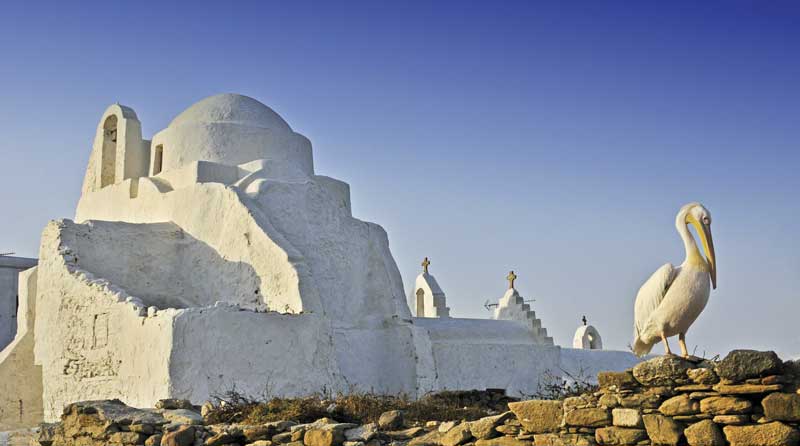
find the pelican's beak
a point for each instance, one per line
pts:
(704, 231)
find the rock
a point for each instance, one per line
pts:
(640, 400)
(93, 418)
(679, 405)
(662, 371)
(266, 443)
(184, 436)
(746, 389)
(405, 434)
(621, 380)
(154, 440)
(282, 438)
(206, 409)
(172, 404)
(725, 405)
(702, 376)
(563, 440)
(446, 426)
(264, 431)
(731, 419)
(770, 434)
(538, 416)
(619, 435)
(589, 417)
(391, 420)
(627, 417)
(147, 429)
(662, 430)
(608, 400)
(507, 429)
(502, 441)
(457, 435)
(183, 416)
(704, 433)
(740, 365)
(125, 438)
(782, 407)
(693, 388)
(222, 438)
(430, 439)
(323, 437)
(363, 433)
(701, 395)
(485, 427)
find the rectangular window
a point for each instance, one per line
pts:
(158, 159)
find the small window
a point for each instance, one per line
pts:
(158, 160)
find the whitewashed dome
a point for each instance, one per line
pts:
(229, 129)
(231, 108)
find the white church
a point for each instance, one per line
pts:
(214, 255)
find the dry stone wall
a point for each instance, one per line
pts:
(749, 398)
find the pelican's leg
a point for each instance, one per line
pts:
(666, 344)
(682, 342)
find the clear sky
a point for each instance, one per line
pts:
(556, 140)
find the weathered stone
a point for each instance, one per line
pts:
(704, 433)
(731, 419)
(725, 405)
(740, 365)
(692, 418)
(405, 434)
(182, 416)
(323, 437)
(782, 407)
(264, 431)
(147, 429)
(154, 440)
(282, 438)
(563, 440)
(485, 427)
(626, 417)
(363, 433)
(662, 391)
(662, 430)
(456, 436)
(701, 395)
(97, 419)
(173, 403)
(391, 420)
(269, 443)
(702, 376)
(693, 388)
(126, 438)
(432, 438)
(184, 436)
(578, 402)
(446, 426)
(608, 400)
(222, 438)
(619, 436)
(538, 416)
(621, 380)
(774, 379)
(679, 405)
(770, 434)
(507, 429)
(640, 400)
(662, 371)
(589, 417)
(502, 441)
(746, 389)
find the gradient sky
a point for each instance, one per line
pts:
(556, 140)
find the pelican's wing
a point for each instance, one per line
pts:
(651, 294)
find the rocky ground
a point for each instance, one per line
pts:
(749, 398)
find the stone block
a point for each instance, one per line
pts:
(679, 405)
(621, 380)
(725, 405)
(456, 436)
(746, 389)
(538, 416)
(589, 417)
(704, 433)
(662, 371)
(619, 436)
(702, 376)
(485, 427)
(627, 417)
(740, 365)
(662, 430)
(782, 407)
(769, 434)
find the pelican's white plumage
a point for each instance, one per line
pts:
(673, 297)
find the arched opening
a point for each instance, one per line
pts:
(108, 160)
(158, 159)
(420, 303)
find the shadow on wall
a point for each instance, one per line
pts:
(163, 265)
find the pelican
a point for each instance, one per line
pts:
(672, 298)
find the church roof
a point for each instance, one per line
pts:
(234, 109)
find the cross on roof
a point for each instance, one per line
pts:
(511, 278)
(584, 320)
(425, 264)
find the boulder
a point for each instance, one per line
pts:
(589, 417)
(538, 416)
(679, 405)
(740, 365)
(432, 438)
(455, 436)
(183, 436)
(485, 427)
(619, 435)
(704, 433)
(391, 420)
(627, 417)
(182, 416)
(769, 434)
(662, 430)
(363, 433)
(323, 437)
(782, 407)
(702, 376)
(725, 405)
(662, 371)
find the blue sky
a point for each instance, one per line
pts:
(557, 139)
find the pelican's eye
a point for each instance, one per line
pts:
(706, 221)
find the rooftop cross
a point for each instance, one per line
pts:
(425, 264)
(511, 278)
(584, 320)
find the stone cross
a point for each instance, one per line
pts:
(425, 264)
(584, 320)
(511, 278)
